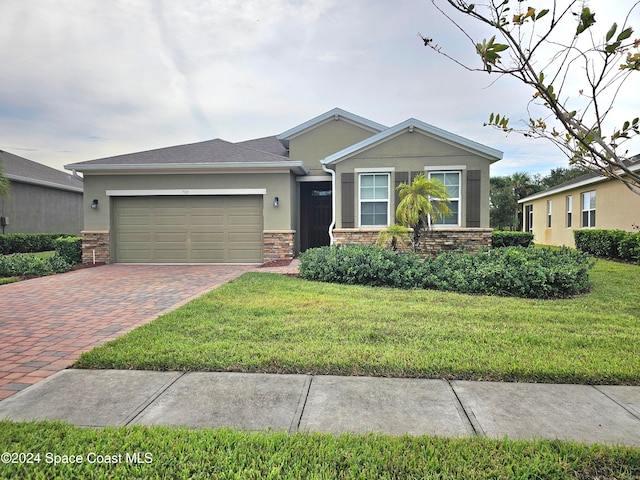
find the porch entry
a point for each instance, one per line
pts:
(315, 214)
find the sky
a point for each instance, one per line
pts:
(86, 79)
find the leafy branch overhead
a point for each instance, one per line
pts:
(551, 50)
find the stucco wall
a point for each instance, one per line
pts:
(276, 185)
(616, 208)
(38, 209)
(323, 140)
(412, 152)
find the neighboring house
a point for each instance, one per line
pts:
(331, 179)
(588, 201)
(40, 199)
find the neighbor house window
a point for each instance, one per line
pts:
(569, 210)
(528, 218)
(451, 180)
(549, 207)
(374, 199)
(589, 209)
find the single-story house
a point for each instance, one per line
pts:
(588, 201)
(41, 199)
(328, 180)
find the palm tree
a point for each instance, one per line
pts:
(420, 204)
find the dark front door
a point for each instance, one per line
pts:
(315, 214)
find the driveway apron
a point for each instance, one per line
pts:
(46, 323)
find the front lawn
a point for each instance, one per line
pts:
(163, 452)
(271, 323)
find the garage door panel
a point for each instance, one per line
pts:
(214, 229)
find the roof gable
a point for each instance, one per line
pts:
(27, 171)
(412, 125)
(334, 114)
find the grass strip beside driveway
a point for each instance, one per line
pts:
(271, 323)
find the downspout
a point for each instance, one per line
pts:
(333, 201)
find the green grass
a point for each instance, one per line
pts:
(222, 453)
(270, 323)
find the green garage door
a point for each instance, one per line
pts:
(214, 229)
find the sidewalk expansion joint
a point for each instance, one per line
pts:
(152, 398)
(626, 407)
(302, 403)
(466, 413)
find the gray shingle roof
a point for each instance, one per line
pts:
(215, 151)
(267, 144)
(23, 170)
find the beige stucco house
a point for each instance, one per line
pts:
(328, 180)
(588, 201)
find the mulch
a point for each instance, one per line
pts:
(276, 263)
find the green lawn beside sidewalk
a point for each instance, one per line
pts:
(271, 323)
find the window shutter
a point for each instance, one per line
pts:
(473, 198)
(401, 177)
(347, 200)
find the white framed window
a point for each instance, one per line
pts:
(374, 199)
(589, 209)
(569, 210)
(451, 180)
(549, 209)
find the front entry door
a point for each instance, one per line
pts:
(315, 214)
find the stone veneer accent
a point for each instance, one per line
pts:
(437, 240)
(278, 245)
(95, 241)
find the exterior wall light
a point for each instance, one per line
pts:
(94, 204)
(276, 201)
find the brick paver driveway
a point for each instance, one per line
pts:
(46, 323)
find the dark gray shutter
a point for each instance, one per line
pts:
(473, 198)
(401, 177)
(347, 200)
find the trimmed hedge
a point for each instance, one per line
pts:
(28, 242)
(69, 248)
(68, 254)
(616, 244)
(505, 238)
(510, 271)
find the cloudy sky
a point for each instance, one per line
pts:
(85, 79)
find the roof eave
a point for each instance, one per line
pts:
(43, 183)
(296, 167)
(571, 186)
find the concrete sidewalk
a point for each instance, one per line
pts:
(330, 404)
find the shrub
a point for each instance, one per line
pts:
(629, 247)
(30, 265)
(28, 242)
(511, 271)
(69, 249)
(502, 238)
(609, 243)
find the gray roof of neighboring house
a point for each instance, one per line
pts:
(20, 169)
(587, 179)
(209, 154)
